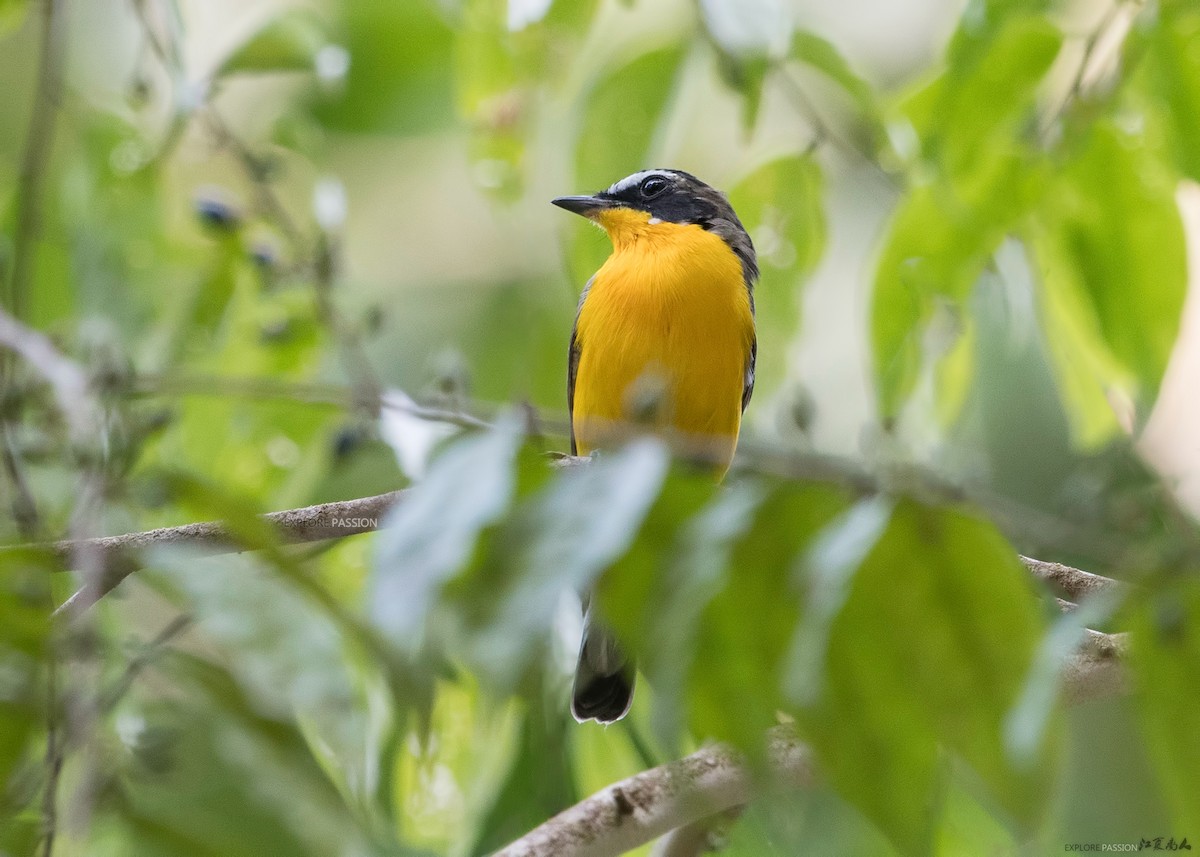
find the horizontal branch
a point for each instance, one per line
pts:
(642, 808)
(117, 555)
(1075, 583)
(292, 526)
(360, 515)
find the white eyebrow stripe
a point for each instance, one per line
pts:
(635, 179)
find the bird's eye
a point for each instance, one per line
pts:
(653, 186)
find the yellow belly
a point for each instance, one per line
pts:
(665, 336)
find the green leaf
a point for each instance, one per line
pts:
(499, 77)
(288, 42)
(1129, 273)
(655, 611)
(1175, 63)
(25, 649)
(735, 678)
(540, 780)
(983, 103)
(12, 14)
(399, 80)
(781, 204)
(623, 111)
(288, 655)
(932, 647)
(561, 539)
(616, 138)
(427, 538)
(822, 55)
(972, 123)
(207, 773)
(831, 561)
(1165, 654)
(936, 247)
(746, 75)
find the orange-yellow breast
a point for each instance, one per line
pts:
(664, 334)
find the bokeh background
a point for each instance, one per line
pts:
(251, 223)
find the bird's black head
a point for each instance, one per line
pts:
(670, 196)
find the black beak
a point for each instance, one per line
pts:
(585, 205)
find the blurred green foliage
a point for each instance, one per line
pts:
(245, 236)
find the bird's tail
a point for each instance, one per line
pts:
(604, 676)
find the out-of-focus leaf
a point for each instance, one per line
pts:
(24, 652)
(822, 55)
(1129, 272)
(743, 637)
(428, 537)
(982, 23)
(287, 42)
(399, 81)
(978, 109)
(213, 775)
(939, 631)
(749, 36)
(747, 75)
(831, 562)
(499, 72)
(1015, 420)
(971, 121)
(540, 782)
(1175, 62)
(12, 13)
(623, 112)
(292, 658)
(559, 541)
(781, 204)
(789, 822)
(748, 27)
(936, 247)
(1165, 636)
(656, 613)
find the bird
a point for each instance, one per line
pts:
(663, 341)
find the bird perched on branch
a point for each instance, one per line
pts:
(663, 341)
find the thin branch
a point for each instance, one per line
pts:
(334, 395)
(151, 649)
(1074, 583)
(39, 144)
(292, 526)
(639, 809)
(256, 171)
(350, 517)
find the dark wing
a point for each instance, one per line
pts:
(750, 272)
(748, 382)
(572, 368)
(573, 353)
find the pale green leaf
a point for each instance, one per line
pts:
(289, 42)
(781, 204)
(1129, 271)
(561, 540)
(1165, 637)
(427, 538)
